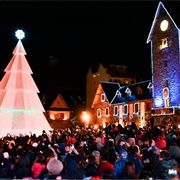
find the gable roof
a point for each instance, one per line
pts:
(117, 94)
(110, 89)
(160, 10)
(139, 91)
(59, 104)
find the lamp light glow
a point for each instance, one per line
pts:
(19, 34)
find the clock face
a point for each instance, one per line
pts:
(164, 25)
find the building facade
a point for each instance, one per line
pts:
(163, 104)
(108, 73)
(165, 60)
(116, 104)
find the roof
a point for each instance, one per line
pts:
(110, 89)
(59, 104)
(71, 98)
(160, 10)
(54, 103)
(116, 94)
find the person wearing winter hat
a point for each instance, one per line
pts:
(174, 151)
(120, 164)
(54, 166)
(133, 157)
(54, 169)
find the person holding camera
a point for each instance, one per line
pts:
(71, 162)
(82, 148)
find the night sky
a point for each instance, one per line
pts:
(64, 38)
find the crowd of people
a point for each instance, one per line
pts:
(88, 153)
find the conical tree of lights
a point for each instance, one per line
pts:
(21, 110)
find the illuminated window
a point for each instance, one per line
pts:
(98, 113)
(166, 97)
(126, 81)
(164, 43)
(115, 111)
(136, 108)
(102, 97)
(107, 111)
(125, 109)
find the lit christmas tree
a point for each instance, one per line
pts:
(21, 110)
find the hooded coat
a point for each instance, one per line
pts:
(120, 164)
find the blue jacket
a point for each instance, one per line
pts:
(119, 168)
(136, 160)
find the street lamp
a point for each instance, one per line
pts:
(85, 117)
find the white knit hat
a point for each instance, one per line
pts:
(54, 166)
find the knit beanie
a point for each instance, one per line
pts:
(174, 151)
(54, 166)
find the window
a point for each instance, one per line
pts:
(107, 111)
(148, 106)
(125, 109)
(98, 113)
(126, 81)
(166, 83)
(115, 110)
(102, 97)
(164, 43)
(136, 108)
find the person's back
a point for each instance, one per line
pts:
(22, 167)
(106, 168)
(161, 140)
(111, 155)
(92, 167)
(133, 157)
(130, 171)
(162, 170)
(38, 166)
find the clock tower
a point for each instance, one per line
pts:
(165, 64)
